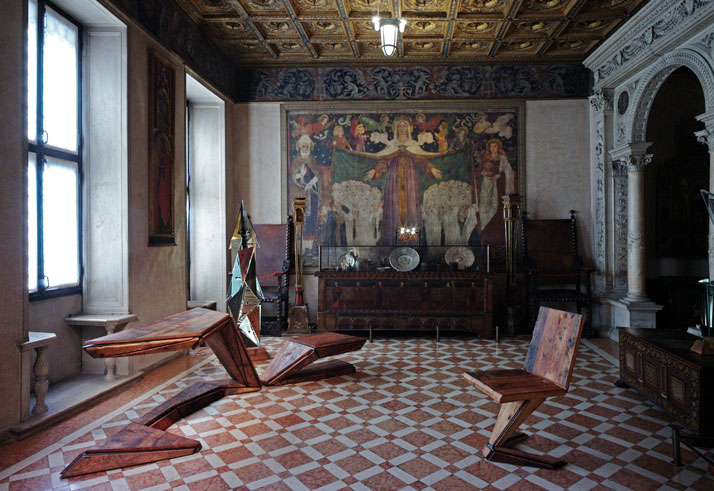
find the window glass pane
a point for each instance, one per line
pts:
(32, 221)
(32, 70)
(59, 226)
(59, 96)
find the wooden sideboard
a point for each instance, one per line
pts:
(391, 300)
(659, 364)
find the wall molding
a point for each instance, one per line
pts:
(345, 83)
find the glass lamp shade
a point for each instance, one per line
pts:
(389, 30)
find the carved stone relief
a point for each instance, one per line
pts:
(600, 102)
(637, 163)
(664, 22)
(620, 266)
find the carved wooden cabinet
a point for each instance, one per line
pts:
(414, 300)
(659, 364)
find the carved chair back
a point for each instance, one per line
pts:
(550, 247)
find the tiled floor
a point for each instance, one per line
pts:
(405, 420)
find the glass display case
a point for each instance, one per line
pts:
(469, 258)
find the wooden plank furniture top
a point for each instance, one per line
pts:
(512, 385)
(175, 332)
(297, 353)
(674, 341)
(330, 343)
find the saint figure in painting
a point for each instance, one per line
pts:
(306, 176)
(494, 178)
(163, 215)
(401, 160)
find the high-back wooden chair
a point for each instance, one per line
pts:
(272, 267)
(554, 270)
(546, 373)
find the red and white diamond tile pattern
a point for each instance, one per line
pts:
(405, 420)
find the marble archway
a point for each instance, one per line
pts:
(633, 130)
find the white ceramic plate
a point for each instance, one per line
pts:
(462, 256)
(404, 259)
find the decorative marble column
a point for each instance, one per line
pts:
(641, 312)
(706, 136)
(601, 130)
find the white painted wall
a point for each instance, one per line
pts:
(258, 173)
(558, 164)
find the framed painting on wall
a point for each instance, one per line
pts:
(368, 169)
(162, 107)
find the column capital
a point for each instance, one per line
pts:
(706, 136)
(632, 157)
(601, 100)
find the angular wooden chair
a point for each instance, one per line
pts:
(546, 373)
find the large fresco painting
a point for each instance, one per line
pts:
(365, 173)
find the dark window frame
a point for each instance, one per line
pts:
(41, 151)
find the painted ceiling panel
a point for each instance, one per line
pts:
(295, 32)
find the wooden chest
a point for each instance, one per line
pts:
(391, 300)
(659, 364)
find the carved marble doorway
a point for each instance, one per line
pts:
(675, 217)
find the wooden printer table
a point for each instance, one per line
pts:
(146, 441)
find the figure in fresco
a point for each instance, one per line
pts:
(372, 125)
(401, 159)
(425, 126)
(494, 178)
(441, 137)
(339, 140)
(359, 135)
(482, 125)
(303, 127)
(311, 178)
(460, 141)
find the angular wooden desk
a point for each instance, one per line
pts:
(145, 440)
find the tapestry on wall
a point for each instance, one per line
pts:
(438, 168)
(162, 77)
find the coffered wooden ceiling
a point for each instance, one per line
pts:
(292, 32)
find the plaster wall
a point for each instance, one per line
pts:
(13, 299)
(157, 275)
(558, 164)
(258, 174)
(65, 354)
